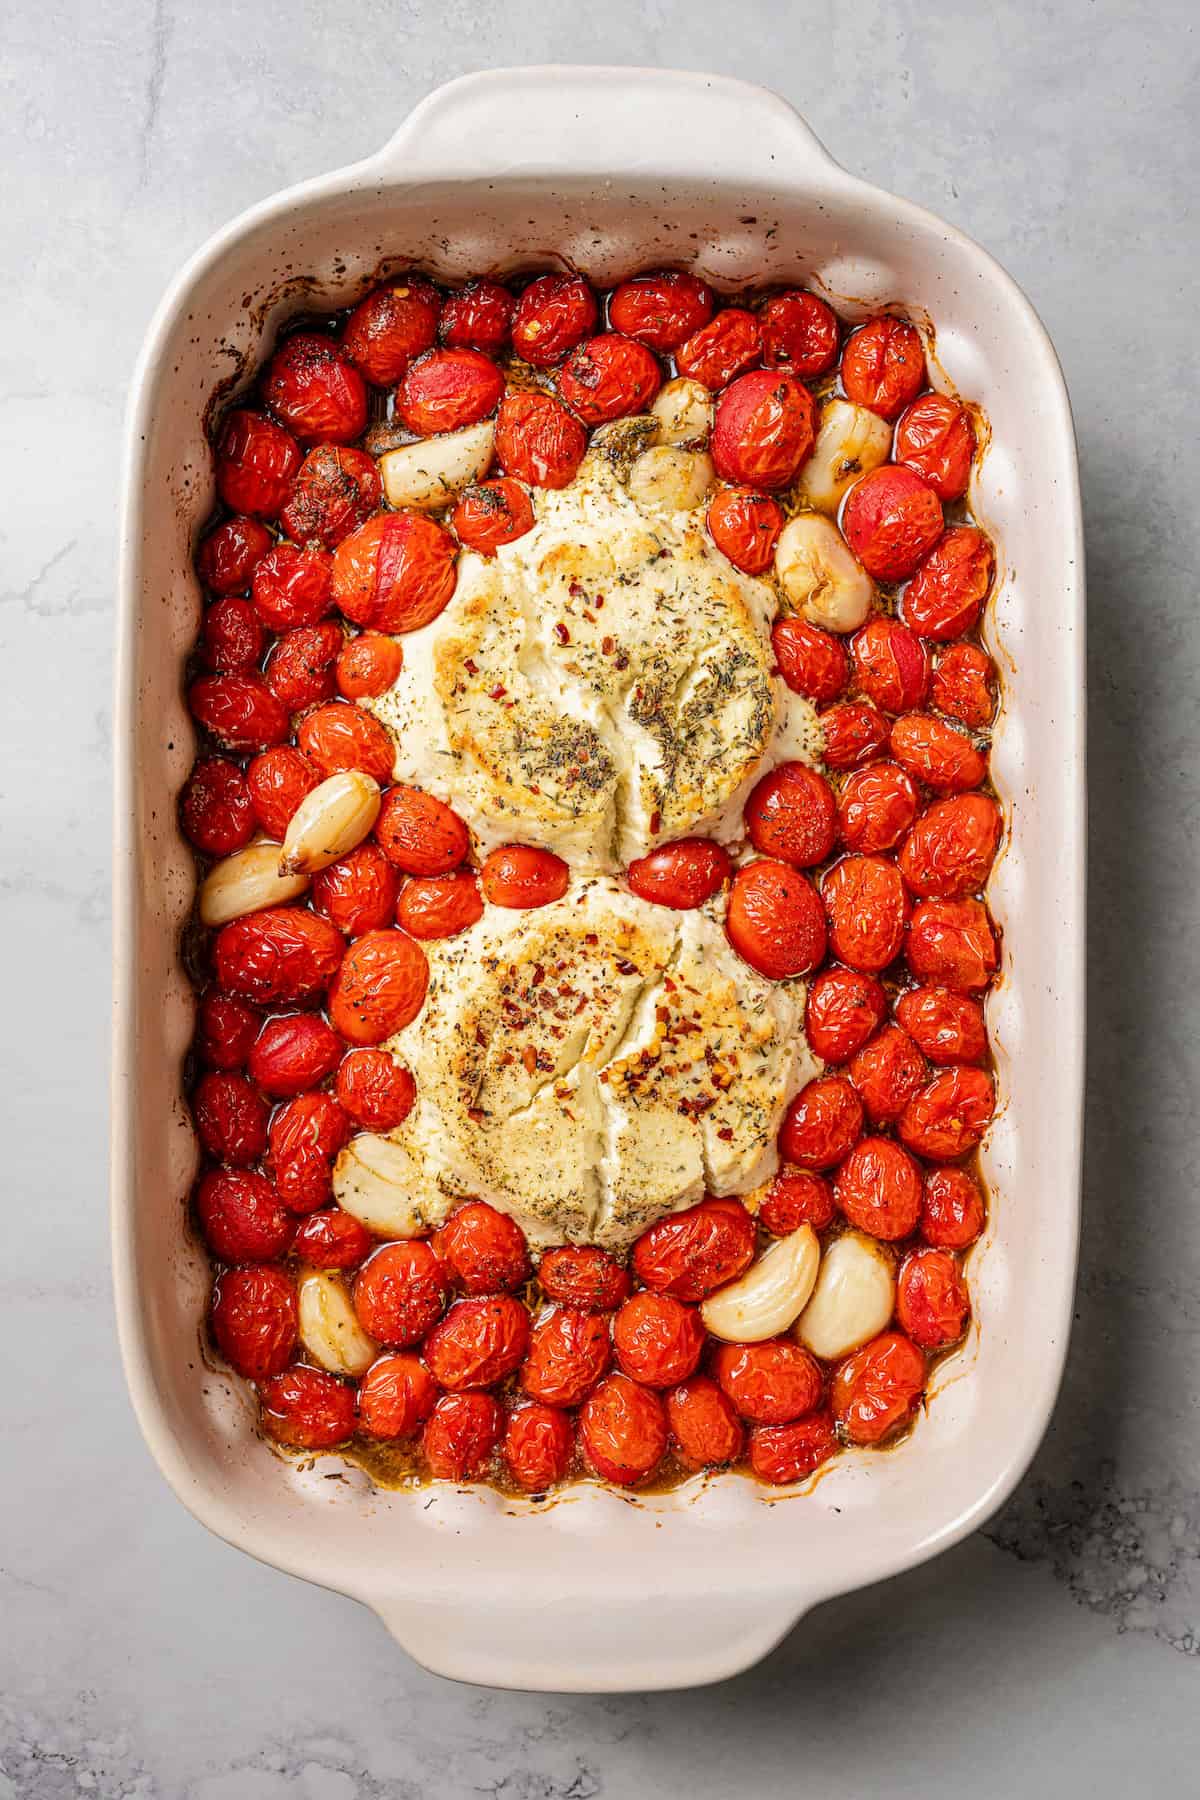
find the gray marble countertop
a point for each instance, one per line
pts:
(1053, 1652)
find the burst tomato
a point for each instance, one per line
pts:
(231, 636)
(932, 1304)
(342, 736)
(886, 1074)
(395, 573)
(769, 1383)
(439, 906)
(291, 586)
(477, 1343)
(447, 390)
(878, 1188)
(308, 1409)
(949, 852)
(775, 920)
(891, 520)
(460, 1435)
(357, 893)
(745, 527)
(868, 910)
(299, 670)
(951, 944)
(482, 1250)
(379, 988)
(317, 393)
(215, 808)
(569, 1350)
(335, 491)
(853, 734)
(376, 1090)
(256, 461)
(419, 834)
(280, 953)
(876, 1391)
(554, 313)
(883, 366)
(949, 1027)
(240, 711)
(946, 594)
(293, 1053)
(681, 875)
(538, 441)
(624, 1431)
(254, 1320)
(609, 377)
(724, 348)
(936, 438)
(764, 428)
(799, 332)
(891, 666)
(491, 514)
(796, 1197)
(242, 1217)
(812, 662)
(230, 1117)
(704, 1424)
(583, 1275)
(791, 814)
(477, 317)
(782, 1454)
(952, 1209)
(963, 686)
(400, 1293)
(876, 806)
(947, 1118)
(397, 1394)
(226, 557)
(306, 1134)
(689, 1253)
(390, 327)
(368, 665)
(537, 1446)
(661, 309)
(277, 782)
(657, 1339)
(822, 1123)
(843, 1009)
(225, 1030)
(520, 876)
(332, 1239)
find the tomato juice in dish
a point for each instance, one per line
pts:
(594, 817)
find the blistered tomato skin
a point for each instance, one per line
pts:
(331, 1239)
(225, 1030)
(964, 686)
(886, 1074)
(460, 1436)
(948, 1027)
(242, 1217)
(583, 1275)
(368, 665)
(946, 594)
(883, 366)
(661, 310)
(681, 875)
(822, 1124)
(482, 1250)
(946, 1119)
(726, 347)
(891, 519)
(447, 390)
(876, 806)
(868, 911)
(215, 808)
(477, 317)
(775, 920)
(231, 637)
(538, 441)
(492, 514)
(554, 313)
(308, 1409)
(769, 1383)
(569, 1351)
(306, 1134)
(396, 1396)
(876, 1391)
(375, 1090)
(395, 573)
(477, 1343)
(792, 815)
(878, 1189)
(291, 586)
(949, 852)
(335, 491)
(342, 736)
(799, 332)
(854, 733)
(537, 1446)
(689, 1253)
(419, 834)
(293, 1053)
(357, 893)
(891, 665)
(239, 711)
(226, 558)
(657, 1339)
(299, 670)
(254, 1320)
(315, 391)
(796, 1197)
(256, 462)
(842, 1010)
(390, 327)
(781, 1454)
(379, 988)
(951, 943)
(521, 877)
(280, 953)
(936, 439)
(812, 662)
(277, 781)
(609, 377)
(624, 1431)
(952, 1209)
(764, 428)
(439, 906)
(705, 1428)
(400, 1293)
(932, 1305)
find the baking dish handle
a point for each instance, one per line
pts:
(562, 120)
(616, 1646)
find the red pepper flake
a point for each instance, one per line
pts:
(591, 938)
(608, 645)
(561, 632)
(622, 661)
(476, 1115)
(627, 968)
(726, 1134)
(471, 667)
(529, 1058)
(539, 975)
(497, 692)
(655, 822)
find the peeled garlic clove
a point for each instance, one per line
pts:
(851, 441)
(684, 411)
(853, 1299)
(246, 882)
(378, 1181)
(820, 576)
(329, 1327)
(676, 480)
(770, 1295)
(432, 472)
(330, 822)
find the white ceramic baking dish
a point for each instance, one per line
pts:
(610, 170)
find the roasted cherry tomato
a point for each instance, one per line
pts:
(963, 686)
(368, 665)
(868, 910)
(661, 310)
(791, 814)
(336, 490)
(951, 944)
(583, 1275)
(306, 1134)
(477, 1343)
(242, 1217)
(764, 428)
(439, 906)
(949, 852)
(843, 1009)
(876, 806)
(342, 736)
(225, 1030)
(854, 734)
(299, 670)
(796, 1197)
(240, 711)
(946, 594)
(724, 348)
(705, 1428)
(231, 636)
(379, 988)
(226, 557)
(376, 1090)
(396, 1395)
(460, 1436)
(215, 808)
(878, 1188)
(608, 377)
(447, 390)
(491, 514)
(569, 1350)
(477, 316)
(952, 1209)
(769, 1383)
(775, 920)
(395, 573)
(277, 782)
(624, 1431)
(357, 893)
(891, 520)
(689, 1253)
(932, 1304)
(946, 1119)
(891, 666)
(782, 1454)
(537, 1446)
(256, 461)
(230, 1117)
(812, 662)
(400, 1293)
(822, 1124)
(799, 332)
(291, 586)
(420, 835)
(887, 1073)
(317, 393)
(332, 1239)
(483, 1251)
(554, 313)
(392, 326)
(883, 366)
(254, 1320)
(308, 1409)
(949, 1027)
(745, 527)
(280, 953)
(935, 437)
(537, 440)
(681, 875)
(876, 1391)
(293, 1053)
(520, 876)
(657, 1339)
